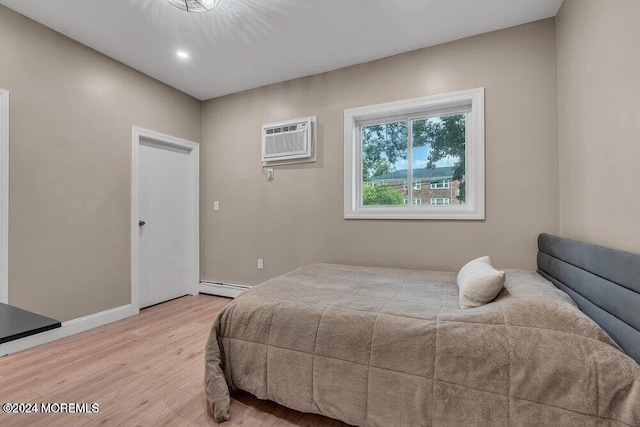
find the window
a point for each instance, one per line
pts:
(440, 185)
(440, 201)
(438, 139)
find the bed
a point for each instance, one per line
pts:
(381, 347)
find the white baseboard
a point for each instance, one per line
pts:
(69, 328)
(222, 289)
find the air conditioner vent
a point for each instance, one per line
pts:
(289, 142)
(271, 131)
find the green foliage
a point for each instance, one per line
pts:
(381, 195)
(383, 145)
(446, 138)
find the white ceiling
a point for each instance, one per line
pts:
(242, 44)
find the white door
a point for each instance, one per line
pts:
(4, 196)
(163, 229)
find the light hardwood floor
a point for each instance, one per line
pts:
(146, 370)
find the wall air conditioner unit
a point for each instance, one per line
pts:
(292, 141)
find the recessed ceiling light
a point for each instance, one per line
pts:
(182, 54)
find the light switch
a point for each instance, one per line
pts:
(216, 205)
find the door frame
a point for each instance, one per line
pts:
(193, 149)
(4, 196)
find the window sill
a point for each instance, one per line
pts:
(419, 213)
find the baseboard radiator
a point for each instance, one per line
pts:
(222, 289)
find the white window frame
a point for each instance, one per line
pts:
(431, 201)
(449, 103)
(416, 201)
(435, 185)
(417, 185)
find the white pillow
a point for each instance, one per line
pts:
(479, 283)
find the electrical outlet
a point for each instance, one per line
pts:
(260, 263)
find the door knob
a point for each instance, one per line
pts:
(141, 223)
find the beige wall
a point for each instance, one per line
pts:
(72, 110)
(599, 121)
(71, 115)
(298, 218)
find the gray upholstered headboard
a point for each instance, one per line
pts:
(604, 282)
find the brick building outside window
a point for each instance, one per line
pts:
(431, 186)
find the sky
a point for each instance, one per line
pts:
(419, 160)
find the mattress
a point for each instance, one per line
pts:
(380, 347)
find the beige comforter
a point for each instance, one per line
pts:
(387, 347)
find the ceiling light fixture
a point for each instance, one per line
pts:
(196, 6)
(182, 54)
